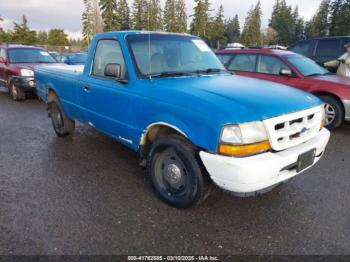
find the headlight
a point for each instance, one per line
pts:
(27, 72)
(248, 133)
(244, 139)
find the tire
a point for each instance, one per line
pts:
(176, 173)
(62, 125)
(334, 112)
(16, 93)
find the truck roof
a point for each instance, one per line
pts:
(133, 32)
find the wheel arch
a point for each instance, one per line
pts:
(325, 93)
(155, 131)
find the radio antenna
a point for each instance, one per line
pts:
(149, 41)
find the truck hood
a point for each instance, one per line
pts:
(232, 98)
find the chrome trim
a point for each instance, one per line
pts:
(346, 104)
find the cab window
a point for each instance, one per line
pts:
(270, 65)
(243, 62)
(108, 52)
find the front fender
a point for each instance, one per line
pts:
(193, 128)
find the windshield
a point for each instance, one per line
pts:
(77, 58)
(306, 66)
(29, 55)
(171, 55)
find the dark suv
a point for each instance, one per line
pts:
(321, 50)
(16, 68)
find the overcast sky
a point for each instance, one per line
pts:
(66, 14)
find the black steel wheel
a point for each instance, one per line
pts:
(62, 125)
(176, 173)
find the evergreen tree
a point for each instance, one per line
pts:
(3, 34)
(251, 34)
(91, 19)
(154, 16)
(282, 21)
(335, 7)
(181, 16)
(298, 26)
(139, 15)
(42, 37)
(340, 19)
(170, 23)
(22, 34)
(57, 37)
(123, 15)
(108, 9)
(218, 28)
(319, 24)
(87, 19)
(175, 17)
(233, 30)
(201, 19)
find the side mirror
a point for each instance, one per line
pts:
(3, 60)
(286, 72)
(113, 70)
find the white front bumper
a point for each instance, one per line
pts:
(248, 175)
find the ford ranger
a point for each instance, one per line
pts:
(169, 98)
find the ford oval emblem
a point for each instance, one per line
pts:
(304, 130)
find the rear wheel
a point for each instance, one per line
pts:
(16, 93)
(62, 125)
(175, 172)
(334, 112)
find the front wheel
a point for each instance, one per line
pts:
(62, 125)
(16, 93)
(334, 112)
(175, 172)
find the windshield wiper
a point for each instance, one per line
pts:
(166, 74)
(210, 71)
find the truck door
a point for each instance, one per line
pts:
(105, 101)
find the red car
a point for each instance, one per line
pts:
(16, 68)
(295, 70)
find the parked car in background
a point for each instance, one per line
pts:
(321, 50)
(295, 70)
(168, 97)
(72, 58)
(234, 46)
(280, 47)
(54, 54)
(16, 68)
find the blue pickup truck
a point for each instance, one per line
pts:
(167, 97)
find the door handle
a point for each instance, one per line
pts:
(87, 88)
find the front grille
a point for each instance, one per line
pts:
(293, 129)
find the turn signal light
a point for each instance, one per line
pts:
(244, 150)
(323, 124)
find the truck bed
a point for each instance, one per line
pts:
(58, 74)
